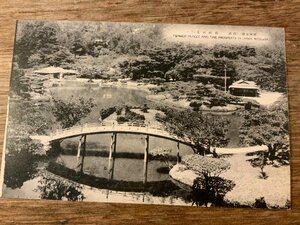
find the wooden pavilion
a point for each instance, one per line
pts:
(56, 72)
(244, 88)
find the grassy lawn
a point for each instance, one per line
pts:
(275, 189)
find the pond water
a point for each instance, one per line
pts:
(104, 97)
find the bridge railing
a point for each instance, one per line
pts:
(109, 125)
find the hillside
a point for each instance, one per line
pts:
(139, 51)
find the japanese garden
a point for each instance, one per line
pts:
(117, 112)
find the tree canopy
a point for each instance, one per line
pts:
(206, 166)
(69, 113)
(22, 156)
(35, 117)
(268, 126)
(19, 84)
(39, 38)
(203, 131)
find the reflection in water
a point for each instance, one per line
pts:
(162, 188)
(127, 167)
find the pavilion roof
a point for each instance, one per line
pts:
(243, 84)
(53, 69)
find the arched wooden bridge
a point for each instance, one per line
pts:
(111, 127)
(53, 140)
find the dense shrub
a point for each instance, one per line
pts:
(145, 108)
(129, 116)
(260, 203)
(209, 79)
(55, 188)
(195, 104)
(133, 117)
(206, 90)
(218, 101)
(119, 110)
(176, 97)
(122, 119)
(104, 113)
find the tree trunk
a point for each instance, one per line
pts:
(207, 189)
(208, 147)
(271, 152)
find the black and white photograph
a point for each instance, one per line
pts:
(168, 114)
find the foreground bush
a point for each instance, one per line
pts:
(55, 188)
(208, 187)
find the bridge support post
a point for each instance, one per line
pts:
(78, 150)
(83, 154)
(146, 158)
(112, 153)
(178, 156)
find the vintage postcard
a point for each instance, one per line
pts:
(170, 114)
